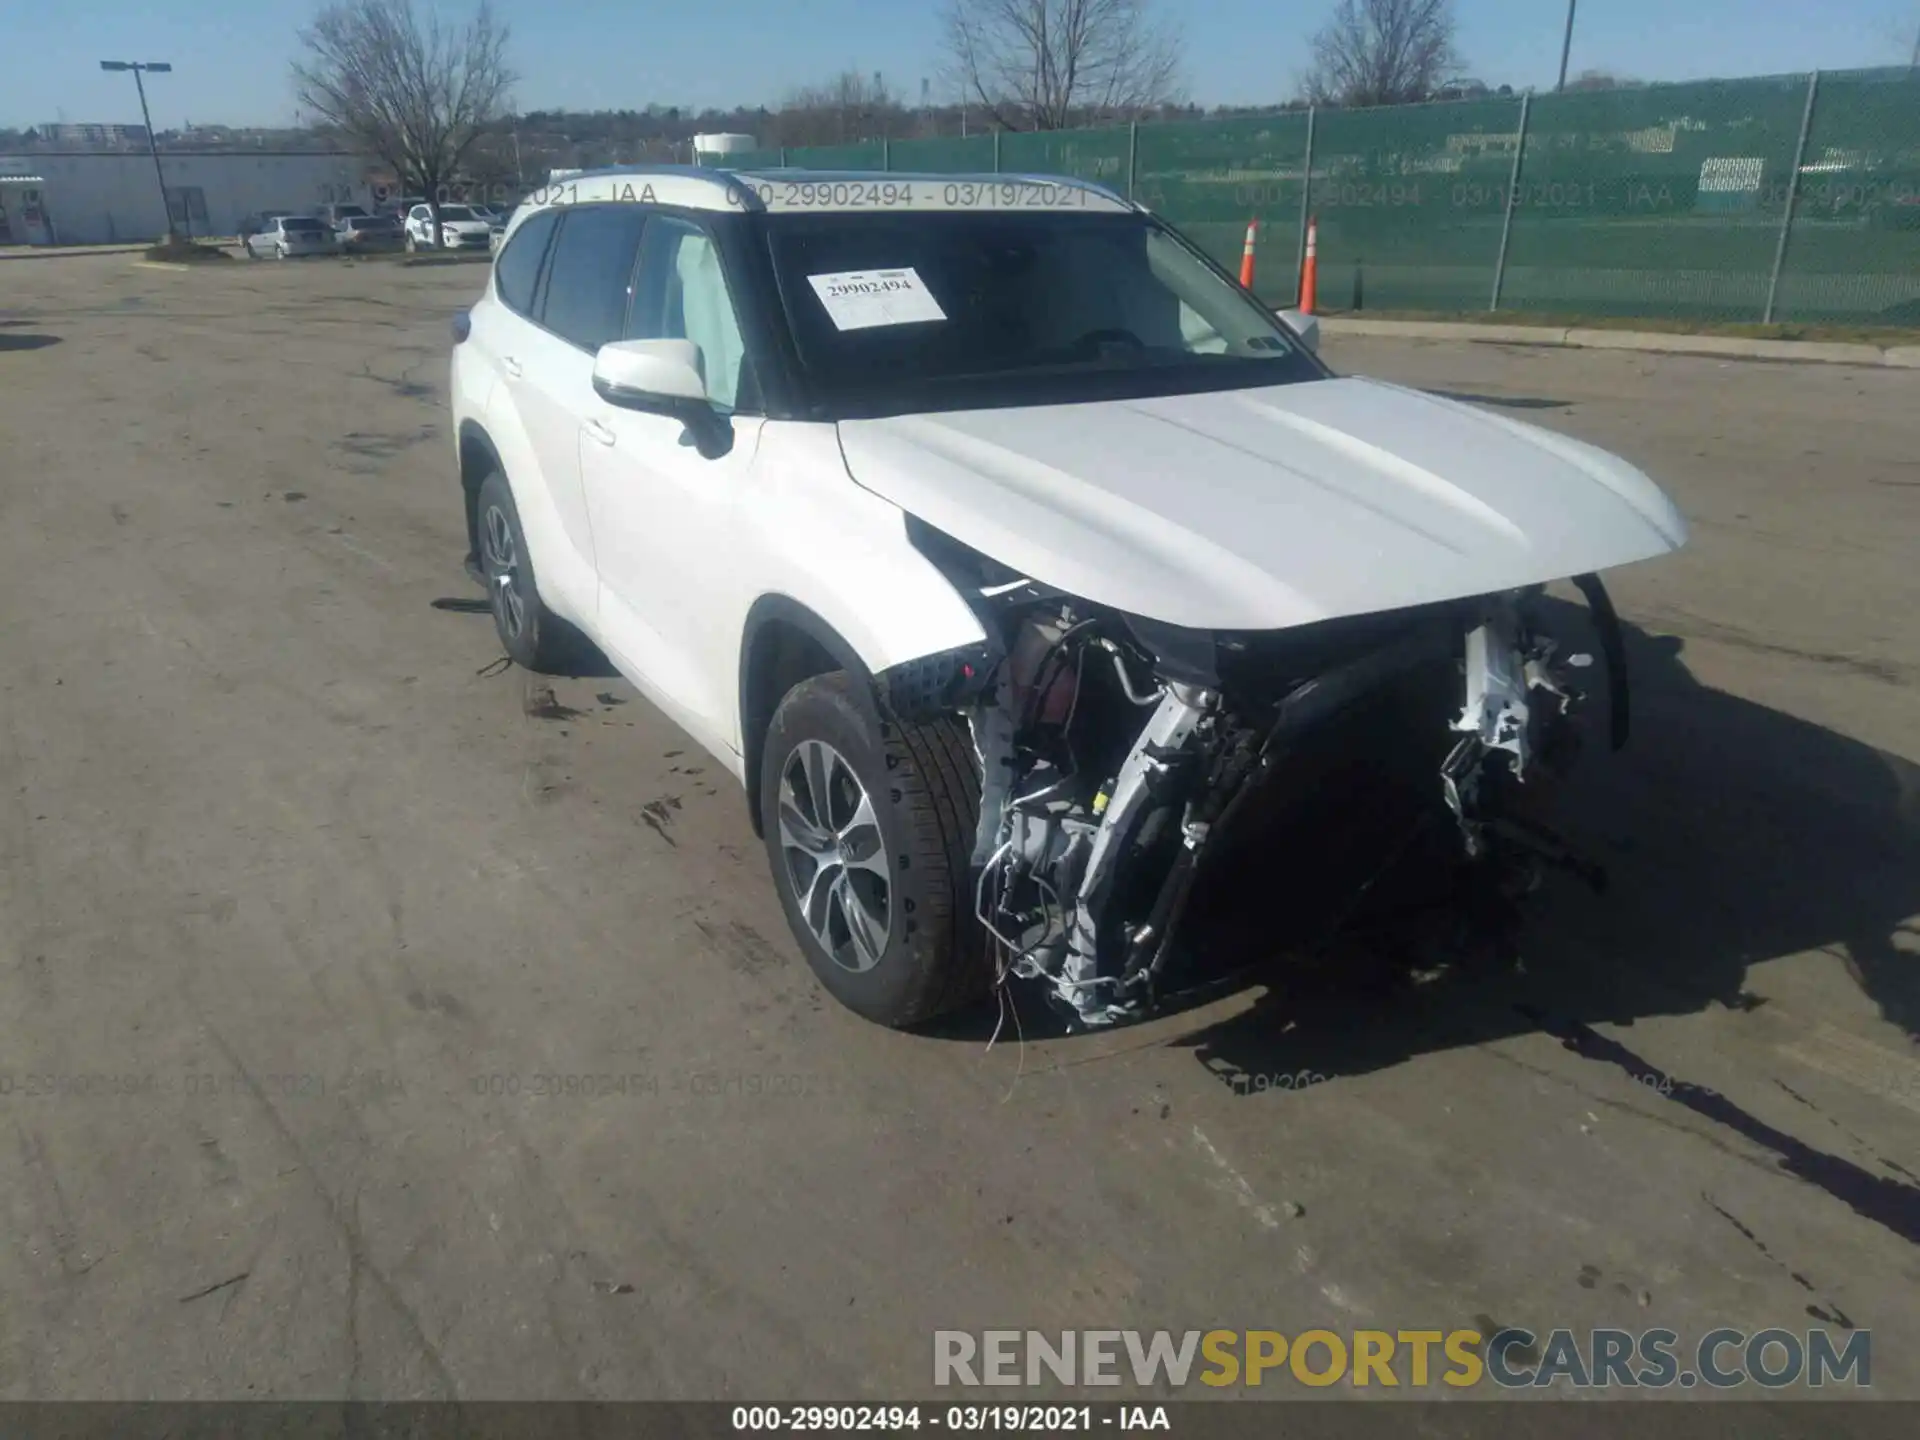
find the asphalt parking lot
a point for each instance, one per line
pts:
(311, 917)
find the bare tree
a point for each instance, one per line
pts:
(417, 95)
(1384, 52)
(851, 106)
(1049, 64)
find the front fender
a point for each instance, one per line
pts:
(842, 553)
(838, 584)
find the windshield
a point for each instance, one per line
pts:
(893, 313)
(456, 212)
(295, 223)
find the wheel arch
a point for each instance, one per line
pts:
(479, 457)
(783, 642)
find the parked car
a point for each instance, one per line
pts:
(254, 224)
(460, 229)
(290, 235)
(334, 216)
(369, 234)
(1029, 574)
(497, 219)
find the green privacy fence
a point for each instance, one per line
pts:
(1789, 198)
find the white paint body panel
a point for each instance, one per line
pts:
(659, 555)
(1268, 508)
(784, 191)
(1248, 509)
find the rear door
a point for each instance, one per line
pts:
(548, 367)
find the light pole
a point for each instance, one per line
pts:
(1566, 47)
(159, 67)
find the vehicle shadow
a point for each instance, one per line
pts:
(27, 341)
(583, 660)
(1731, 833)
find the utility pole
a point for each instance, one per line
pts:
(158, 67)
(1566, 47)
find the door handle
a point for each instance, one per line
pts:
(510, 365)
(599, 430)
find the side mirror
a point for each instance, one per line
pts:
(662, 377)
(1307, 327)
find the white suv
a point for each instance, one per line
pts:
(1017, 561)
(461, 228)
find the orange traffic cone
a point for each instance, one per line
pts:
(1310, 267)
(1246, 256)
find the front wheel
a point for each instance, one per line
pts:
(412, 244)
(869, 826)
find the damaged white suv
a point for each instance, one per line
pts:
(1025, 570)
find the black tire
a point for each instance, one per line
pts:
(534, 637)
(924, 785)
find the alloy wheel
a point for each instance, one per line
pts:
(835, 855)
(504, 573)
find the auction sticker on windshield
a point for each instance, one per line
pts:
(862, 299)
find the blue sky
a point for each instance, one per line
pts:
(230, 59)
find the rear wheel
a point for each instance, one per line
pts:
(869, 829)
(533, 637)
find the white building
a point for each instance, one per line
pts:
(714, 149)
(104, 197)
(89, 136)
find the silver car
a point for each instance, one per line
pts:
(290, 235)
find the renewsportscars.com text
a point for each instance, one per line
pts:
(1511, 1358)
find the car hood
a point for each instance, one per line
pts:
(1265, 508)
(466, 227)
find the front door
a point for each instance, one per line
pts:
(663, 516)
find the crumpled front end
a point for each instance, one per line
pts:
(1128, 765)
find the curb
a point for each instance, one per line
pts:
(1810, 352)
(417, 259)
(183, 265)
(68, 252)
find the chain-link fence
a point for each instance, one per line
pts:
(1789, 198)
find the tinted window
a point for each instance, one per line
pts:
(591, 271)
(518, 267)
(893, 313)
(301, 227)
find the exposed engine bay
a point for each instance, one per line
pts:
(1125, 762)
